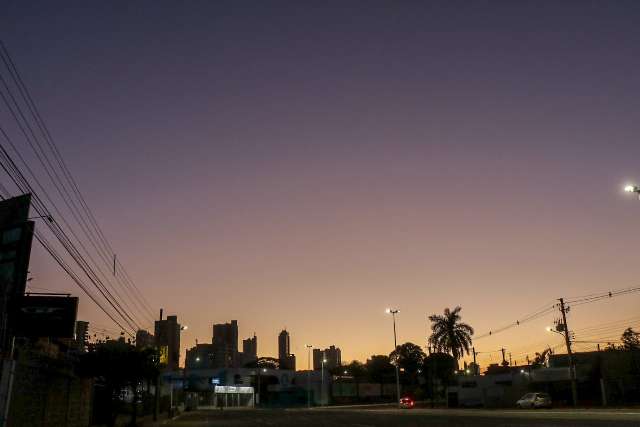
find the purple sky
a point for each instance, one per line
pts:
(306, 164)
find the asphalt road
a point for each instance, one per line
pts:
(367, 417)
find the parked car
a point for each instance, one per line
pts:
(534, 401)
(407, 403)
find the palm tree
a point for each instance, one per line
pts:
(449, 334)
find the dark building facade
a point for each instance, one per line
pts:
(167, 334)
(250, 350)
(82, 335)
(286, 359)
(225, 344)
(332, 355)
(202, 356)
(144, 339)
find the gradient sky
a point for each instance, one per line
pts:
(307, 164)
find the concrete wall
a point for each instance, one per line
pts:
(46, 395)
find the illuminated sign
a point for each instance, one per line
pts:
(233, 389)
(164, 355)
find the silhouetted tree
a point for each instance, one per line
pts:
(630, 339)
(449, 334)
(409, 357)
(354, 369)
(438, 369)
(379, 370)
(540, 358)
(117, 365)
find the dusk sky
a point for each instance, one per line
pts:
(306, 164)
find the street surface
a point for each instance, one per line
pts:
(369, 417)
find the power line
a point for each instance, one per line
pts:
(20, 181)
(46, 164)
(89, 226)
(524, 319)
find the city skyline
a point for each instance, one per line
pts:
(301, 168)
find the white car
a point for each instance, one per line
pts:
(534, 401)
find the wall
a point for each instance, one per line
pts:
(47, 394)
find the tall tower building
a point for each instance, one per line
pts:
(225, 344)
(286, 359)
(284, 345)
(82, 335)
(250, 349)
(167, 333)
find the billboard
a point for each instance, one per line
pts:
(164, 354)
(15, 210)
(46, 316)
(16, 234)
(15, 251)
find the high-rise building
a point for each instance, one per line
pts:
(202, 356)
(225, 344)
(82, 335)
(167, 334)
(250, 350)
(285, 358)
(284, 344)
(144, 339)
(332, 355)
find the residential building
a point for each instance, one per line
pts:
(249, 350)
(202, 356)
(82, 335)
(332, 355)
(167, 334)
(285, 358)
(225, 344)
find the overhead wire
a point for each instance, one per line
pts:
(89, 226)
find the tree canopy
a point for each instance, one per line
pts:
(630, 339)
(450, 334)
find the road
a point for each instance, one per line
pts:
(368, 417)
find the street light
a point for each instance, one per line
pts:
(309, 346)
(322, 393)
(393, 312)
(550, 329)
(631, 188)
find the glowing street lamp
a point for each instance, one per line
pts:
(393, 312)
(309, 346)
(632, 188)
(324, 360)
(550, 329)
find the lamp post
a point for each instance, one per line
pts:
(257, 395)
(322, 393)
(309, 346)
(393, 313)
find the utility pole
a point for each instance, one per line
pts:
(504, 361)
(567, 340)
(475, 364)
(309, 375)
(156, 403)
(510, 363)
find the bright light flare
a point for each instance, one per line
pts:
(629, 188)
